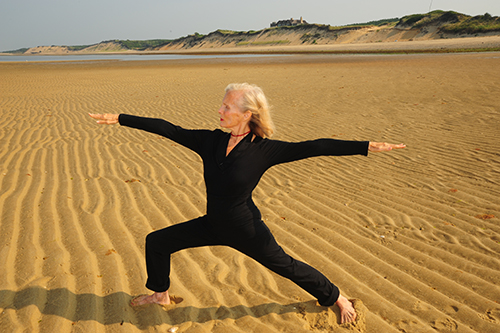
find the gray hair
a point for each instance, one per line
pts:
(254, 100)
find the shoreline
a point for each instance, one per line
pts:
(263, 60)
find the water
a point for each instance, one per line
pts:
(122, 57)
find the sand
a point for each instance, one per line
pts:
(413, 234)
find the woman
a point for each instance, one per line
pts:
(233, 165)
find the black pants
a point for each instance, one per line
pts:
(255, 240)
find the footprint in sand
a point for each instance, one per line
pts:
(491, 315)
(445, 324)
(174, 300)
(406, 325)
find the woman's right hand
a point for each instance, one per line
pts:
(107, 118)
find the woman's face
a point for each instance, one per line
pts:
(230, 113)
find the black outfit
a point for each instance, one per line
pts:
(232, 218)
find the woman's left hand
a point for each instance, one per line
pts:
(106, 119)
(377, 147)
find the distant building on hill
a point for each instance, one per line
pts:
(290, 22)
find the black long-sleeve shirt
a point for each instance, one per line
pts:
(231, 179)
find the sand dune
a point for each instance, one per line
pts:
(414, 235)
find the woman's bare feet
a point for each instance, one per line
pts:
(157, 298)
(347, 312)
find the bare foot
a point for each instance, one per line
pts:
(157, 298)
(347, 312)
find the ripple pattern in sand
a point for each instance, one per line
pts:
(413, 234)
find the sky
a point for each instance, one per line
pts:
(30, 23)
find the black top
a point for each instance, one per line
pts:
(231, 179)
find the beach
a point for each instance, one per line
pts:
(413, 235)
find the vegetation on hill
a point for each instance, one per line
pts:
(18, 51)
(434, 17)
(476, 24)
(77, 47)
(136, 45)
(452, 22)
(377, 23)
(141, 45)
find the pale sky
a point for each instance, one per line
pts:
(30, 23)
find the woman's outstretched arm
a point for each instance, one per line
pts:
(192, 139)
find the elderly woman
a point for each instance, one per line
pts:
(233, 164)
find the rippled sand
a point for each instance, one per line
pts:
(414, 234)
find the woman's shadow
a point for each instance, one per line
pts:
(114, 308)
